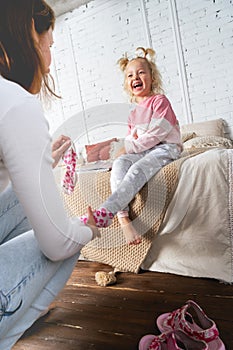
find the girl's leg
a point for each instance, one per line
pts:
(139, 174)
(159, 159)
(28, 284)
(12, 218)
(119, 169)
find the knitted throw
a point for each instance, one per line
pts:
(147, 211)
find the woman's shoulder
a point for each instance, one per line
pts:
(12, 95)
(10, 88)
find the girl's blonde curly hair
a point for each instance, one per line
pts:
(149, 56)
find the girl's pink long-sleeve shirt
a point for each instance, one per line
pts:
(152, 122)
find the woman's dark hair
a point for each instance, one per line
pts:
(20, 58)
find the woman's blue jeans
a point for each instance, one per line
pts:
(29, 281)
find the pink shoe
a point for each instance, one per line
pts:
(181, 319)
(103, 217)
(174, 340)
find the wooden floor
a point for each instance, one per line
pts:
(86, 316)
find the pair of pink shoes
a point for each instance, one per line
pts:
(181, 332)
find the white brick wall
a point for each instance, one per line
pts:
(207, 39)
(89, 41)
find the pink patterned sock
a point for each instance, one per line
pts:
(103, 217)
(70, 178)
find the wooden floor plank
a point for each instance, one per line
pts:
(86, 316)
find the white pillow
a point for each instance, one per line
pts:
(208, 141)
(214, 127)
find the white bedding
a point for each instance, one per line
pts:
(196, 237)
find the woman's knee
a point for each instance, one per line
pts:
(12, 217)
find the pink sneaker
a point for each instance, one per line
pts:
(103, 217)
(181, 319)
(174, 340)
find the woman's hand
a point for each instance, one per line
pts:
(59, 147)
(91, 223)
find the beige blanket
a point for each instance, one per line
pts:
(184, 214)
(196, 237)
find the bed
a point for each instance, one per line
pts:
(185, 212)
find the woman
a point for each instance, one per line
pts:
(39, 244)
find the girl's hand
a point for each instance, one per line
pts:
(59, 147)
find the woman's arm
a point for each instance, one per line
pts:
(26, 148)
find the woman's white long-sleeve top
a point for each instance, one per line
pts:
(26, 161)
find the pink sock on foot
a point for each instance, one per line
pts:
(103, 217)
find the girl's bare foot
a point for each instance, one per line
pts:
(131, 235)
